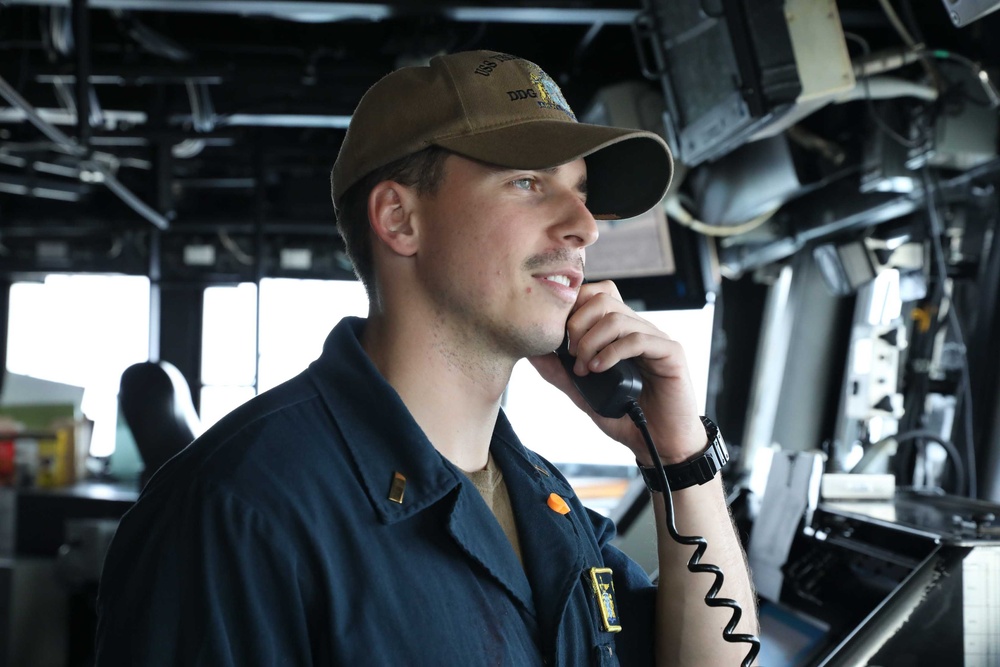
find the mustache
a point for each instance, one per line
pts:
(557, 256)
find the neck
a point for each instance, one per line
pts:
(451, 387)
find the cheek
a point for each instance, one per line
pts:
(478, 241)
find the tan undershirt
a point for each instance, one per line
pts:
(491, 486)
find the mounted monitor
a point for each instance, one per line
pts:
(735, 71)
(964, 12)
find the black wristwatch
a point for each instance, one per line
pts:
(698, 470)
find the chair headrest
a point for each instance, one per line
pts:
(156, 402)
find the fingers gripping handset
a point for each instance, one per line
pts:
(610, 393)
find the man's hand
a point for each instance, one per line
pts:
(602, 332)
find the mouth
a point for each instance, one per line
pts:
(562, 280)
(564, 284)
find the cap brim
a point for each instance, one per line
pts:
(628, 171)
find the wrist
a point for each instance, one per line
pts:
(697, 469)
(678, 442)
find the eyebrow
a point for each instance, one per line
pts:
(581, 185)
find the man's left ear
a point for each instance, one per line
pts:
(390, 213)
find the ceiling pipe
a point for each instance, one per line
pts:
(610, 13)
(97, 171)
(81, 41)
(9, 93)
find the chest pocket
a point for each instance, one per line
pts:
(604, 656)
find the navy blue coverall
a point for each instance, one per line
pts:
(273, 540)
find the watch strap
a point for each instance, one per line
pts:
(698, 470)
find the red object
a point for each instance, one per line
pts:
(6, 462)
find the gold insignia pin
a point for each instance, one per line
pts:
(398, 488)
(604, 590)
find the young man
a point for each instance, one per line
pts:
(378, 509)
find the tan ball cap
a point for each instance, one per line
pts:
(506, 111)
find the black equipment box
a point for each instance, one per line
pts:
(911, 581)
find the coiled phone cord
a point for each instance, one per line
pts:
(700, 544)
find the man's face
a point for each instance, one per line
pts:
(502, 252)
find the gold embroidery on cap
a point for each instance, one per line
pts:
(549, 94)
(398, 488)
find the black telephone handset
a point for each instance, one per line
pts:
(611, 392)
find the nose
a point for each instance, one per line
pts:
(577, 224)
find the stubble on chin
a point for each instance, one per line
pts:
(533, 341)
(488, 353)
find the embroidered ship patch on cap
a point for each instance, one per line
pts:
(549, 94)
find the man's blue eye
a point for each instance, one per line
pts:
(523, 183)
